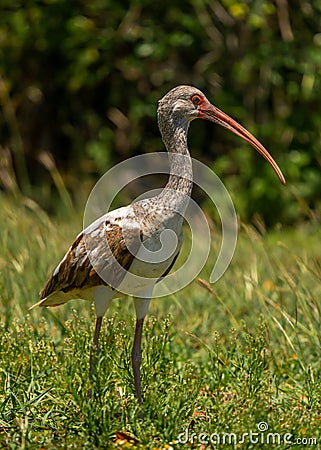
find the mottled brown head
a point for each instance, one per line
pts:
(183, 104)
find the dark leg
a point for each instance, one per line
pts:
(137, 358)
(94, 348)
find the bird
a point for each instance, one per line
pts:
(106, 253)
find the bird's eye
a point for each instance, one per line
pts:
(196, 100)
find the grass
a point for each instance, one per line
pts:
(226, 361)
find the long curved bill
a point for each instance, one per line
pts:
(212, 113)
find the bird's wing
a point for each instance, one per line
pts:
(96, 249)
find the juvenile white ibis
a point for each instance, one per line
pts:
(99, 260)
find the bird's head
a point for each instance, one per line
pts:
(183, 104)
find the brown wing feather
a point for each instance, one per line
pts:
(76, 270)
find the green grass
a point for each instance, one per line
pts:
(219, 362)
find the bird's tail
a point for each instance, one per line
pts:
(54, 299)
(59, 298)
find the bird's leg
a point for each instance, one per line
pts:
(94, 349)
(141, 306)
(137, 358)
(103, 296)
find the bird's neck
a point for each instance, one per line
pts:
(181, 173)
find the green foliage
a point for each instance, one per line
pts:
(213, 362)
(81, 81)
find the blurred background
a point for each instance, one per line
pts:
(80, 81)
